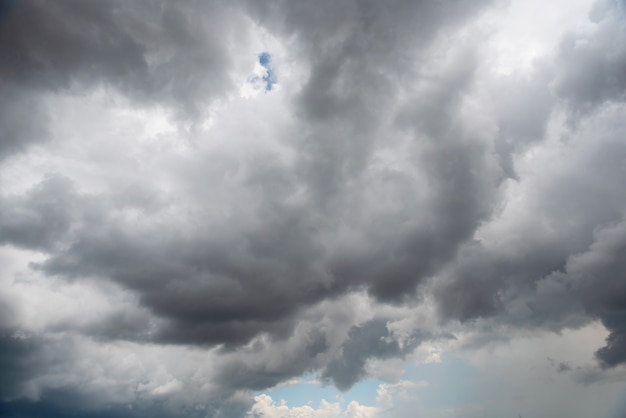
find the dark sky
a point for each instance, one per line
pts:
(204, 200)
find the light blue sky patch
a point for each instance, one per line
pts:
(265, 59)
(309, 391)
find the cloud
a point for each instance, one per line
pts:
(151, 51)
(592, 66)
(264, 407)
(368, 341)
(389, 393)
(171, 243)
(60, 375)
(23, 121)
(38, 220)
(515, 376)
(251, 265)
(356, 410)
(265, 59)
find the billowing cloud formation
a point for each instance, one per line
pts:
(172, 242)
(265, 407)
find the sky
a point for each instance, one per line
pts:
(313, 209)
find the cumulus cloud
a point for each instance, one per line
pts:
(265, 407)
(392, 188)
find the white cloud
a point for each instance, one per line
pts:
(356, 410)
(523, 31)
(265, 407)
(389, 393)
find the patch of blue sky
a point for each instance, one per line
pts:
(264, 76)
(451, 384)
(265, 59)
(309, 391)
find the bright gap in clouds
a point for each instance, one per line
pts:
(265, 59)
(324, 209)
(264, 76)
(521, 33)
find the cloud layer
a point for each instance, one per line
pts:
(174, 238)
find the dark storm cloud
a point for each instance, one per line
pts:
(20, 360)
(346, 366)
(330, 222)
(225, 284)
(24, 357)
(66, 402)
(600, 280)
(478, 283)
(49, 371)
(368, 341)
(155, 52)
(362, 54)
(593, 281)
(215, 284)
(583, 196)
(461, 173)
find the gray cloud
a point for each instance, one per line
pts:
(372, 340)
(23, 121)
(596, 275)
(407, 179)
(206, 283)
(581, 197)
(152, 51)
(563, 367)
(19, 361)
(41, 218)
(67, 403)
(219, 284)
(155, 52)
(592, 67)
(52, 372)
(486, 279)
(237, 373)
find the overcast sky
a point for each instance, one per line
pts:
(313, 209)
